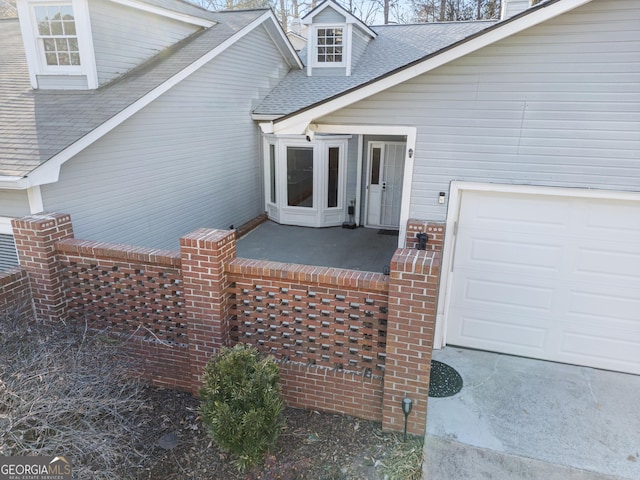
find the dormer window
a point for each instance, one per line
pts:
(337, 39)
(330, 44)
(57, 35)
(58, 43)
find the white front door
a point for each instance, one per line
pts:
(550, 277)
(384, 183)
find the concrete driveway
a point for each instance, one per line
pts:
(517, 418)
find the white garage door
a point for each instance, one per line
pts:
(556, 278)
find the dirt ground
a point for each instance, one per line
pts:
(313, 445)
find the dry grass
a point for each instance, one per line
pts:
(64, 392)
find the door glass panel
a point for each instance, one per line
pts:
(300, 177)
(272, 172)
(375, 166)
(332, 185)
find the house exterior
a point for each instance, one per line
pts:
(144, 121)
(516, 140)
(519, 139)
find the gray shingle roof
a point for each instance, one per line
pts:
(395, 47)
(35, 125)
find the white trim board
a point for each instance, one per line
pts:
(453, 212)
(182, 17)
(5, 226)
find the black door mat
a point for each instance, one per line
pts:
(388, 232)
(445, 381)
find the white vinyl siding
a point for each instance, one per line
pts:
(14, 203)
(188, 160)
(556, 105)
(62, 82)
(329, 15)
(125, 37)
(358, 46)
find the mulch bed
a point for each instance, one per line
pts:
(313, 445)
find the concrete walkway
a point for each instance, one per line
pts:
(517, 418)
(359, 249)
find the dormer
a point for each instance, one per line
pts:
(336, 40)
(82, 45)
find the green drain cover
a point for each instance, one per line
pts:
(445, 381)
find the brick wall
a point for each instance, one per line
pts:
(326, 326)
(346, 341)
(136, 296)
(434, 231)
(15, 294)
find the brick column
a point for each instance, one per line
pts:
(204, 254)
(36, 237)
(434, 231)
(413, 285)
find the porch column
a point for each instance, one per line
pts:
(36, 237)
(413, 285)
(204, 254)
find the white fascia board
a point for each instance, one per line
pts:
(49, 171)
(5, 226)
(11, 183)
(182, 17)
(297, 123)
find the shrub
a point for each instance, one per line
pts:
(242, 403)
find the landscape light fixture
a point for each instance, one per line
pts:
(407, 405)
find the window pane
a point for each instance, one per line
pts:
(62, 45)
(67, 12)
(332, 185)
(73, 44)
(64, 59)
(69, 28)
(272, 172)
(52, 59)
(56, 28)
(75, 59)
(49, 45)
(300, 177)
(375, 166)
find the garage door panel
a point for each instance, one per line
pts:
(511, 253)
(610, 307)
(551, 277)
(507, 215)
(490, 334)
(610, 354)
(622, 265)
(506, 295)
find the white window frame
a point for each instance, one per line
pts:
(35, 52)
(319, 214)
(346, 45)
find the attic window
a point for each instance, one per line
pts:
(330, 45)
(57, 35)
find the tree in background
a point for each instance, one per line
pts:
(455, 10)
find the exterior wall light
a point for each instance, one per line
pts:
(411, 153)
(407, 405)
(422, 241)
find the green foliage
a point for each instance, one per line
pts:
(242, 403)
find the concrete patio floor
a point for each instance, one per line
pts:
(518, 418)
(359, 249)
